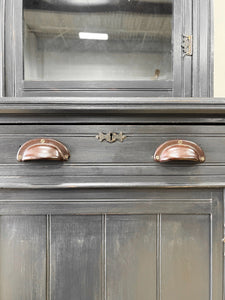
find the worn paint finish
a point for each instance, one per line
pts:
(23, 257)
(75, 253)
(131, 257)
(185, 257)
(93, 247)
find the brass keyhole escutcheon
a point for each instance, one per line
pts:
(111, 137)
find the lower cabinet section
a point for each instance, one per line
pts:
(151, 254)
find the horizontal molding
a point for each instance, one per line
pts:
(111, 182)
(151, 85)
(118, 105)
(134, 7)
(100, 195)
(93, 171)
(43, 208)
(111, 110)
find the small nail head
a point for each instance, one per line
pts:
(42, 141)
(157, 157)
(180, 142)
(19, 157)
(202, 158)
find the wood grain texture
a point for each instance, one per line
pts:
(113, 182)
(131, 257)
(76, 257)
(202, 60)
(109, 207)
(106, 195)
(23, 257)
(116, 255)
(185, 257)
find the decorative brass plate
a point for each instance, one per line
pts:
(111, 137)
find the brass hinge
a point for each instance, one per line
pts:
(187, 45)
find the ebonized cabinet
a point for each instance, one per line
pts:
(111, 222)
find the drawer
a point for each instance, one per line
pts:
(133, 157)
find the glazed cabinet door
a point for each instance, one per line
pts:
(108, 48)
(168, 249)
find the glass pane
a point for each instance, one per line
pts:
(98, 40)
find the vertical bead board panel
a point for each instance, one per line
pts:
(131, 257)
(185, 262)
(111, 256)
(75, 263)
(23, 257)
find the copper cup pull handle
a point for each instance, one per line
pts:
(179, 150)
(43, 149)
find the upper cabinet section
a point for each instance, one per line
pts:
(107, 48)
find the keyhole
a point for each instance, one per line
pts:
(111, 136)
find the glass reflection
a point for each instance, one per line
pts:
(97, 40)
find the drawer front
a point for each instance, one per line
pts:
(132, 156)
